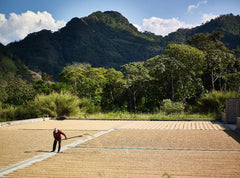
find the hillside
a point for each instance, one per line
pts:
(101, 39)
(11, 67)
(108, 40)
(228, 24)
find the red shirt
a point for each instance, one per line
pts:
(58, 136)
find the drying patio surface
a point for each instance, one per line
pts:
(127, 149)
(21, 142)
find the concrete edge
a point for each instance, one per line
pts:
(238, 124)
(11, 123)
(232, 127)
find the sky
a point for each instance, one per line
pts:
(18, 18)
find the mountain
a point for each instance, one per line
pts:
(101, 39)
(11, 67)
(228, 24)
(107, 39)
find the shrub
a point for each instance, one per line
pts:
(8, 114)
(12, 113)
(172, 107)
(89, 106)
(19, 92)
(24, 112)
(215, 101)
(55, 104)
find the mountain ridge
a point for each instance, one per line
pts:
(11, 67)
(105, 39)
(228, 24)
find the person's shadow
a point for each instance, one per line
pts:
(43, 151)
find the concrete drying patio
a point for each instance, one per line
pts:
(120, 149)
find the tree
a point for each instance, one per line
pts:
(74, 74)
(136, 76)
(47, 78)
(187, 62)
(218, 58)
(3, 95)
(113, 90)
(42, 87)
(86, 81)
(19, 92)
(160, 67)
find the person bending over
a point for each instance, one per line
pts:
(57, 138)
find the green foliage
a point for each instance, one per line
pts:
(136, 76)
(114, 86)
(215, 101)
(170, 107)
(219, 60)
(186, 66)
(100, 86)
(16, 113)
(55, 104)
(19, 92)
(107, 39)
(86, 81)
(89, 106)
(8, 114)
(3, 94)
(42, 87)
(167, 175)
(11, 67)
(150, 116)
(234, 82)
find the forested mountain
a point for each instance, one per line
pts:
(108, 40)
(101, 39)
(11, 67)
(228, 24)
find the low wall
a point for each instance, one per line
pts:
(232, 111)
(10, 123)
(238, 123)
(224, 117)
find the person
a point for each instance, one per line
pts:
(57, 138)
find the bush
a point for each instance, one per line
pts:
(8, 114)
(19, 92)
(89, 106)
(172, 107)
(55, 104)
(214, 101)
(16, 113)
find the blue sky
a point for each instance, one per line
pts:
(21, 17)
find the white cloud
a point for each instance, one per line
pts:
(138, 27)
(18, 26)
(191, 7)
(163, 27)
(208, 17)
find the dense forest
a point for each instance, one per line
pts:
(193, 75)
(197, 76)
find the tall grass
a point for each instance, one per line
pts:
(147, 116)
(66, 104)
(55, 104)
(16, 113)
(215, 101)
(170, 107)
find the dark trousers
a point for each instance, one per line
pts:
(55, 144)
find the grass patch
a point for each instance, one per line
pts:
(148, 116)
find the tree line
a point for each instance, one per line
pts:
(183, 73)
